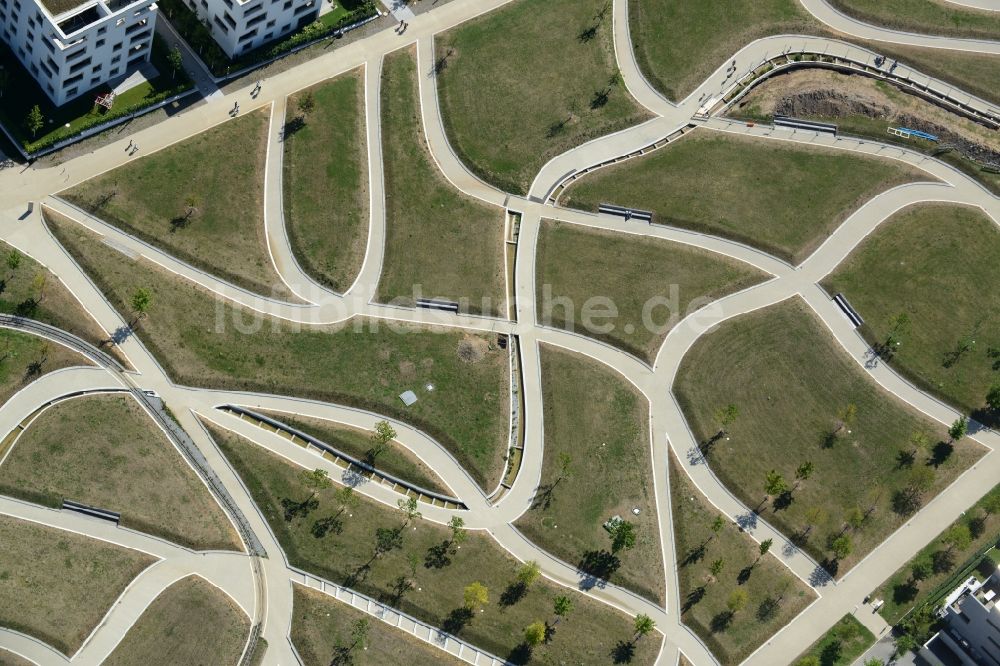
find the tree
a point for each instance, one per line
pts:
(345, 498)
(13, 260)
(38, 285)
(475, 594)
(35, 120)
(810, 660)
(458, 532)
(717, 566)
(561, 606)
(534, 634)
(528, 573)
(316, 480)
(958, 428)
(991, 503)
(359, 633)
(387, 539)
(726, 416)
(774, 484)
(409, 507)
(874, 661)
(191, 202)
(898, 327)
(958, 537)
(993, 397)
(718, 524)
(803, 472)
(643, 625)
(841, 546)
(175, 60)
(565, 467)
(765, 546)
(380, 438)
(856, 518)
(737, 600)
(622, 535)
(921, 570)
(141, 300)
(306, 103)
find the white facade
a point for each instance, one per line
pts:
(243, 25)
(71, 53)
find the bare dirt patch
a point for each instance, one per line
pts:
(472, 350)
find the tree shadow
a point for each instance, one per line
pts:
(831, 566)
(623, 652)
(707, 445)
(744, 574)
(26, 308)
(437, 556)
(324, 526)
(600, 99)
(696, 554)
(514, 593)
(294, 509)
(905, 593)
(543, 496)
(747, 521)
(940, 454)
(596, 567)
(456, 620)
(398, 588)
(820, 577)
(34, 369)
(905, 459)
(767, 609)
(906, 501)
(721, 621)
(693, 598)
(293, 127)
(831, 653)
(782, 501)
(521, 654)
(556, 128)
(442, 63)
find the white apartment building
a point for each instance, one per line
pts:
(243, 25)
(72, 46)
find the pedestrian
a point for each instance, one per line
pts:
(237, 109)
(129, 147)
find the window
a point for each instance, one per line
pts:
(71, 91)
(103, 29)
(270, 24)
(99, 43)
(222, 26)
(116, 59)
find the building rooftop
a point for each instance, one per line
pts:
(57, 7)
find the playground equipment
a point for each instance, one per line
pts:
(908, 133)
(106, 100)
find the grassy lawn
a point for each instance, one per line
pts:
(802, 399)
(326, 181)
(82, 112)
(423, 577)
(842, 644)
(118, 460)
(773, 594)
(320, 621)
(783, 198)
(396, 459)
(578, 264)
(935, 17)
(221, 172)
(56, 585)
(527, 82)
(601, 422)
(31, 290)
(27, 357)
(932, 262)
(436, 237)
(714, 31)
(946, 556)
(191, 622)
(364, 363)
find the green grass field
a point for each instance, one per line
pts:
(935, 17)
(220, 172)
(601, 421)
(802, 399)
(782, 198)
(326, 180)
(396, 459)
(901, 591)
(363, 363)
(527, 82)
(773, 594)
(190, 622)
(422, 577)
(56, 585)
(933, 263)
(118, 460)
(436, 237)
(319, 621)
(712, 32)
(842, 644)
(578, 264)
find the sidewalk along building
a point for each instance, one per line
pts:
(73, 46)
(243, 25)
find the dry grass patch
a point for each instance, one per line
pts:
(201, 200)
(319, 622)
(325, 181)
(190, 622)
(600, 422)
(27, 357)
(578, 263)
(802, 399)
(772, 595)
(105, 451)
(783, 198)
(56, 585)
(363, 363)
(936, 17)
(439, 240)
